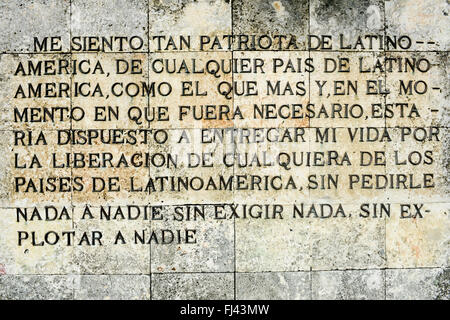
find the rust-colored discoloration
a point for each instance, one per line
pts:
(2, 269)
(416, 251)
(277, 5)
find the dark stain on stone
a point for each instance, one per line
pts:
(346, 10)
(443, 285)
(270, 17)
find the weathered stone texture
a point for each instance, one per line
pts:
(348, 285)
(417, 284)
(195, 286)
(273, 285)
(112, 287)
